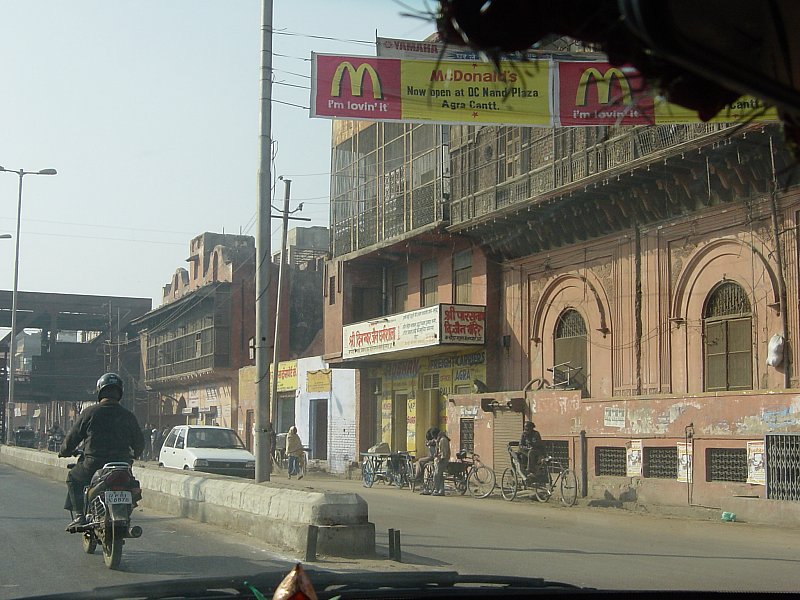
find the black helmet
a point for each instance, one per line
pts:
(110, 386)
(529, 426)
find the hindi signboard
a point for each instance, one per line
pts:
(429, 326)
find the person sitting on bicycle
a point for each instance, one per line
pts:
(430, 441)
(531, 449)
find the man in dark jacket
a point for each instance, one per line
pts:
(531, 448)
(109, 432)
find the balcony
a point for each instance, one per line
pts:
(632, 148)
(420, 332)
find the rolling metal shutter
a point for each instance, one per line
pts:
(507, 428)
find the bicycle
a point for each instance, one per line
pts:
(549, 475)
(394, 469)
(467, 472)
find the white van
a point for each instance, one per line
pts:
(209, 449)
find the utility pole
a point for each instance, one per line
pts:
(263, 251)
(278, 304)
(285, 215)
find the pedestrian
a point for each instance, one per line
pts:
(294, 450)
(158, 441)
(430, 441)
(146, 431)
(153, 442)
(440, 462)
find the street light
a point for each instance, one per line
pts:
(13, 358)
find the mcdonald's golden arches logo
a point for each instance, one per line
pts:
(357, 76)
(603, 82)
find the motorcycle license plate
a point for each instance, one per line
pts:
(119, 497)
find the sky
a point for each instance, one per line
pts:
(148, 109)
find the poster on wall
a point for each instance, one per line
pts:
(614, 417)
(756, 464)
(685, 462)
(318, 381)
(634, 458)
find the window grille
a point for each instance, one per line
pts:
(570, 324)
(467, 435)
(610, 461)
(783, 466)
(726, 464)
(559, 450)
(728, 299)
(661, 462)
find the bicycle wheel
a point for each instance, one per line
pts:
(569, 487)
(543, 489)
(427, 479)
(481, 481)
(367, 473)
(460, 483)
(509, 485)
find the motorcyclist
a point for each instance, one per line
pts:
(109, 432)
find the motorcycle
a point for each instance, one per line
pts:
(108, 503)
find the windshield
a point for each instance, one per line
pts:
(502, 288)
(213, 438)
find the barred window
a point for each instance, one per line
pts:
(610, 461)
(559, 450)
(467, 435)
(728, 339)
(661, 462)
(570, 351)
(726, 464)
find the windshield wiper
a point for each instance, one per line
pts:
(328, 584)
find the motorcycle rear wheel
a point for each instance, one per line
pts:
(112, 547)
(89, 543)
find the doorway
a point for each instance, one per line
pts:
(318, 429)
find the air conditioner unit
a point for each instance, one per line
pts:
(430, 381)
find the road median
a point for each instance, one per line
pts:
(273, 514)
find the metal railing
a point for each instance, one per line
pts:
(632, 146)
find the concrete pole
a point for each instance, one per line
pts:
(263, 251)
(12, 367)
(279, 304)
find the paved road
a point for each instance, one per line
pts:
(597, 547)
(602, 548)
(38, 557)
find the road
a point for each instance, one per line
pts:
(38, 557)
(597, 547)
(603, 548)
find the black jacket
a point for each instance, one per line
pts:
(110, 431)
(531, 441)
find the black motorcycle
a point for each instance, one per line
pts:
(108, 503)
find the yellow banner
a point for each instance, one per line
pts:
(287, 375)
(745, 109)
(318, 381)
(478, 92)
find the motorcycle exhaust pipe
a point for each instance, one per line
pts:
(135, 531)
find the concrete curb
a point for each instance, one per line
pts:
(273, 514)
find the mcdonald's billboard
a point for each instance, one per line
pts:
(596, 93)
(389, 89)
(540, 93)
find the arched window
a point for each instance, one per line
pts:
(570, 351)
(728, 339)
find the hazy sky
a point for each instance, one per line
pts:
(148, 109)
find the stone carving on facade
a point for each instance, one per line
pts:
(678, 252)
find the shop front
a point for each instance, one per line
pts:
(413, 361)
